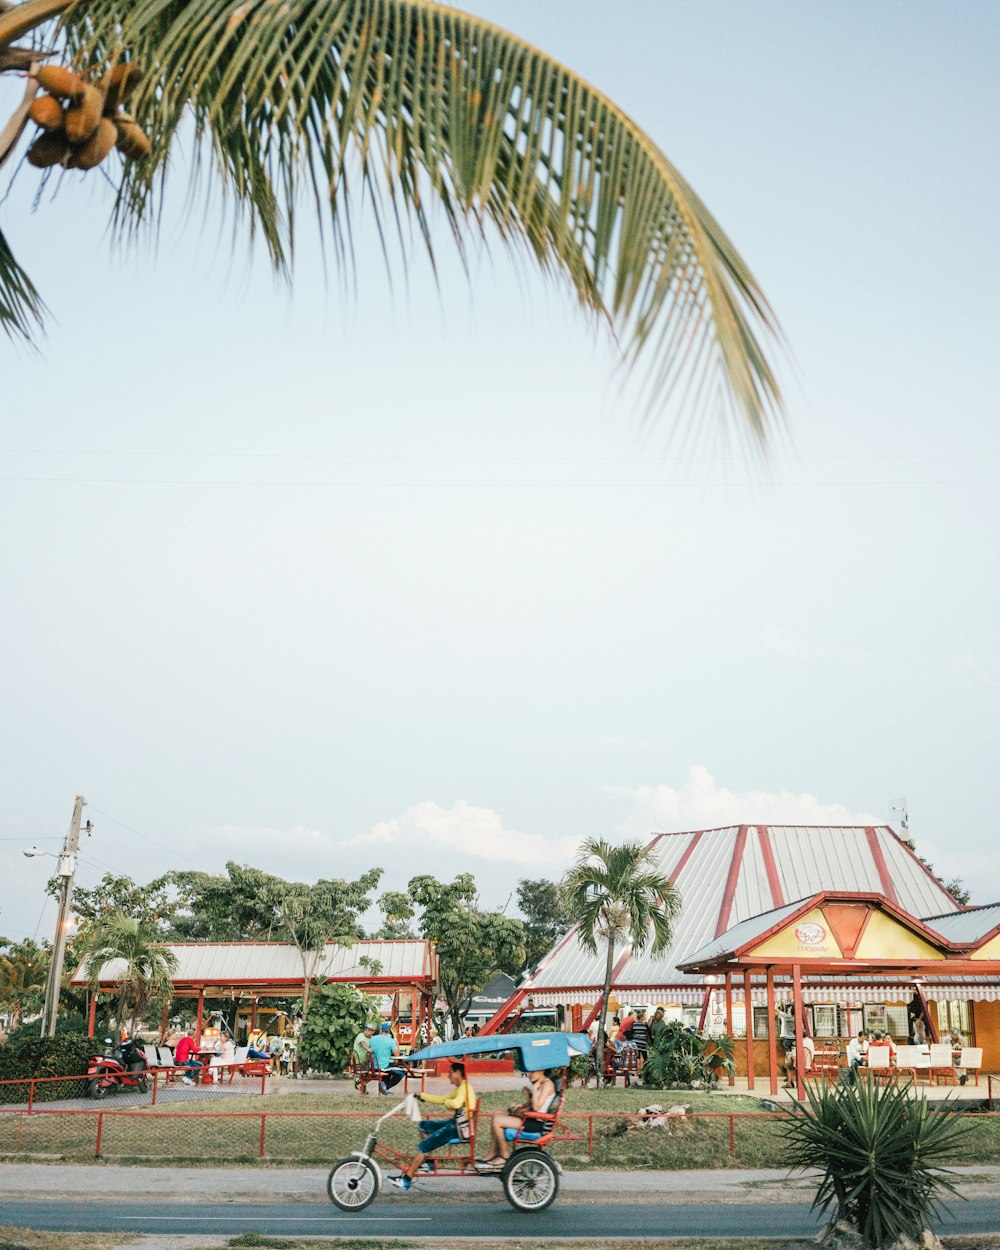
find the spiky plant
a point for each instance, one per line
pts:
(414, 103)
(880, 1153)
(618, 894)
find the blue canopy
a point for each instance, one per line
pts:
(537, 1050)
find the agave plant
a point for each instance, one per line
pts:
(414, 104)
(880, 1153)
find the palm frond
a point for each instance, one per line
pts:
(407, 102)
(21, 307)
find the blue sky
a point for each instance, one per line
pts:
(319, 581)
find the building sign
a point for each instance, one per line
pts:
(809, 938)
(810, 934)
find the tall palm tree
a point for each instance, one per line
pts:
(410, 103)
(619, 894)
(143, 968)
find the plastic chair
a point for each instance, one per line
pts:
(942, 1064)
(971, 1060)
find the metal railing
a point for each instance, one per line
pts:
(695, 1139)
(161, 1084)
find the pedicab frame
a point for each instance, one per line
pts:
(530, 1178)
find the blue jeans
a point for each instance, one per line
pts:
(437, 1133)
(391, 1076)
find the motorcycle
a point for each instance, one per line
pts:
(110, 1071)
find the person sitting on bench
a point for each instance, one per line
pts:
(385, 1049)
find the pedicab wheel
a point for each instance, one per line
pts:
(353, 1184)
(530, 1181)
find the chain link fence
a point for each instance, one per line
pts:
(150, 1088)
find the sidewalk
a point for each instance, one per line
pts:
(763, 1185)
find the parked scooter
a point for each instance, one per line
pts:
(109, 1071)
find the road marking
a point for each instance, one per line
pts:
(296, 1219)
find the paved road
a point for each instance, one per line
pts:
(395, 1216)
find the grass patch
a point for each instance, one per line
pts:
(39, 1239)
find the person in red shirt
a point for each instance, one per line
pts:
(185, 1057)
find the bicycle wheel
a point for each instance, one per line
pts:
(530, 1181)
(353, 1184)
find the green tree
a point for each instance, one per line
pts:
(249, 905)
(397, 916)
(24, 970)
(409, 103)
(154, 904)
(336, 1015)
(546, 917)
(144, 967)
(619, 893)
(471, 944)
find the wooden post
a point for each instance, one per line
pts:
(198, 1021)
(163, 1022)
(704, 1010)
(800, 1050)
(92, 1015)
(772, 1042)
(748, 1003)
(253, 1015)
(729, 1019)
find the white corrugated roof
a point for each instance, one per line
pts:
(233, 963)
(807, 859)
(968, 926)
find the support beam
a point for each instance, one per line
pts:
(200, 1017)
(92, 1014)
(706, 1003)
(729, 1019)
(800, 1050)
(772, 1041)
(748, 1003)
(931, 1028)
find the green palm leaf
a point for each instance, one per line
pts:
(407, 102)
(21, 307)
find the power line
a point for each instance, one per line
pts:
(146, 838)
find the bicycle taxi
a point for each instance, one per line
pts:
(530, 1178)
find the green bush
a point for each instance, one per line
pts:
(677, 1057)
(880, 1153)
(336, 1013)
(22, 1057)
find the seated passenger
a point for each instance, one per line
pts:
(539, 1097)
(385, 1049)
(437, 1133)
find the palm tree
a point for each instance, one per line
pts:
(141, 967)
(23, 972)
(618, 893)
(410, 104)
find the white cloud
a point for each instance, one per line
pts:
(780, 643)
(701, 803)
(468, 830)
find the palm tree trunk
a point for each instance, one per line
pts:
(602, 1014)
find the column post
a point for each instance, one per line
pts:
(800, 1050)
(748, 1003)
(772, 1043)
(729, 1019)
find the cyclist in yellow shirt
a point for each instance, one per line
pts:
(462, 1101)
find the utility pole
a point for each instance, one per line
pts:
(67, 867)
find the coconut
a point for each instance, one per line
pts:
(48, 149)
(96, 148)
(60, 82)
(47, 112)
(132, 141)
(119, 83)
(82, 118)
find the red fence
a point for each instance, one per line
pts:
(26, 1093)
(708, 1139)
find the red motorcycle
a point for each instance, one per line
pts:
(107, 1072)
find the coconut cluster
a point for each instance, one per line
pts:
(81, 121)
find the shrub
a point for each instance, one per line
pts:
(677, 1057)
(880, 1153)
(66, 1054)
(336, 1013)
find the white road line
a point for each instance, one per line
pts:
(297, 1219)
